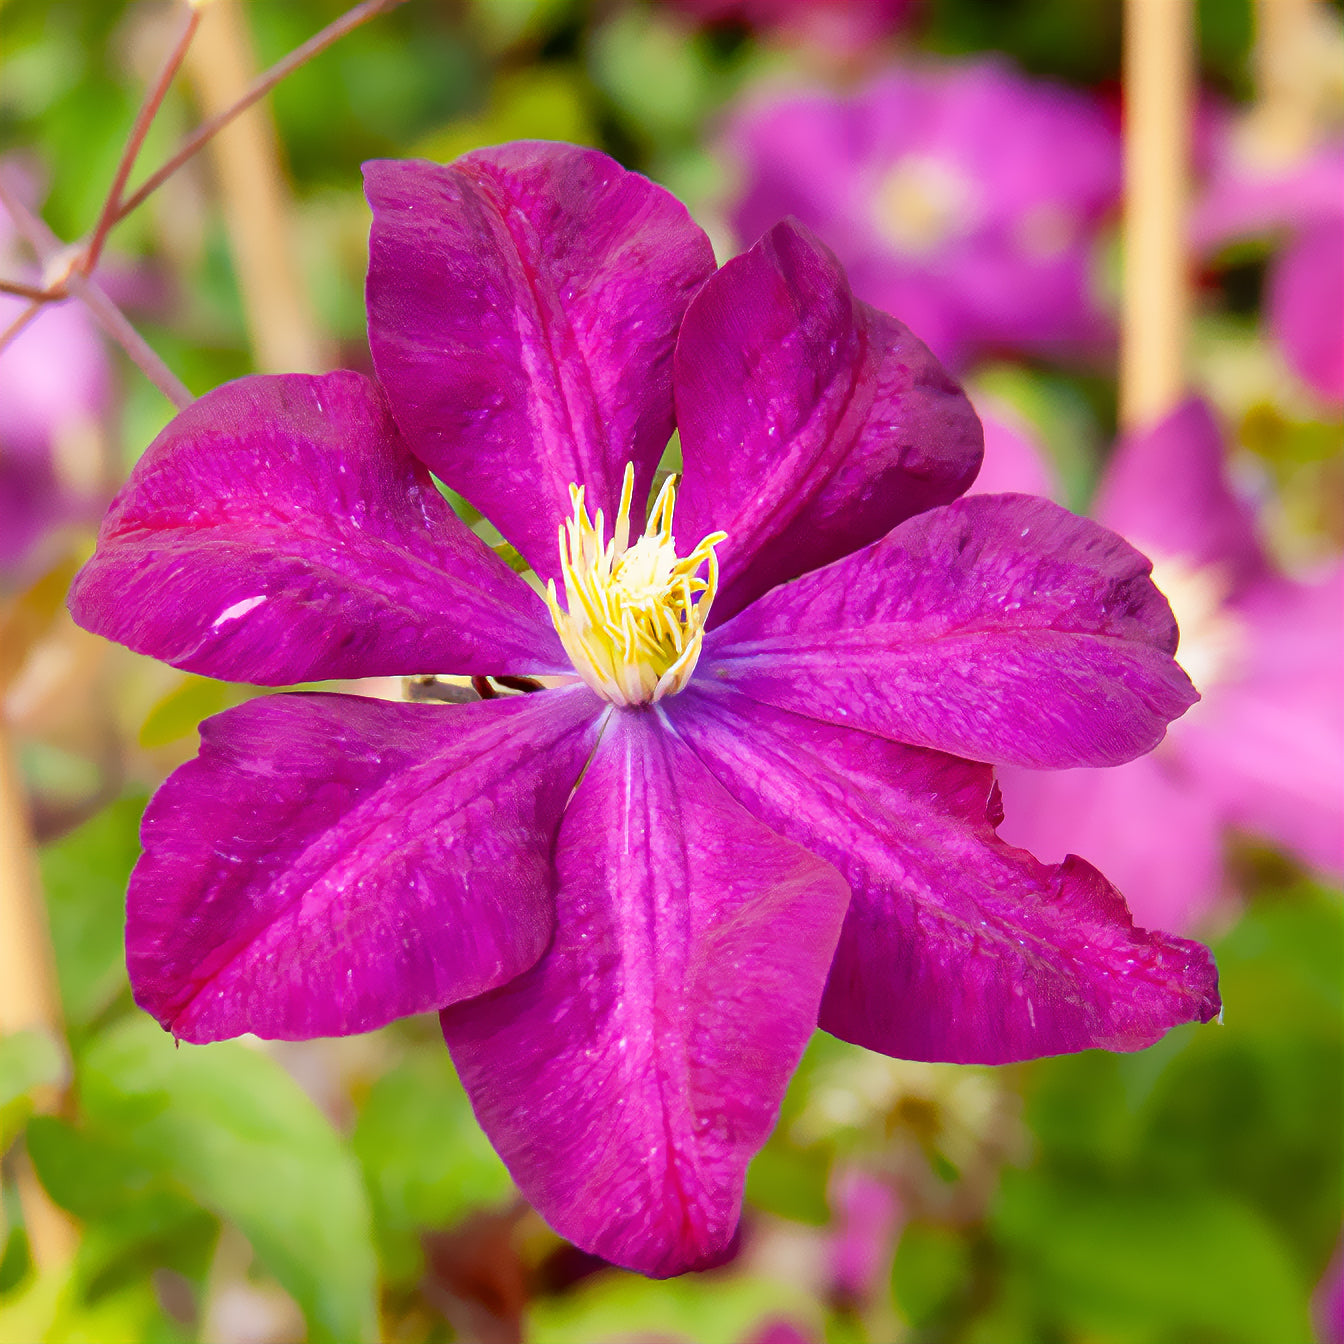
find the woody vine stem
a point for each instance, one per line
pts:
(28, 998)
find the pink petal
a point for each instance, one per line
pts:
(523, 302)
(810, 423)
(279, 531)
(630, 1076)
(1148, 825)
(329, 863)
(1268, 745)
(956, 947)
(1306, 306)
(1166, 489)
(1000, 627)
(1014, 463)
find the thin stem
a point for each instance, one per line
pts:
(34, 292)
(113, 321)
(144, 118)
(259, 87)
(24, 318)
(1158, 80)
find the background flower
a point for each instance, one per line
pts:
(965, 197)
(1263, 751)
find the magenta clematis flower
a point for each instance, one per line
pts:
(1251, 193)
(1264, 749)
(964, 197)
(754, 797)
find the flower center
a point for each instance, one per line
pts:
(636, 614)
(1211, 636)
(921, 204)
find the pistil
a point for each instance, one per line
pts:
(634, 615)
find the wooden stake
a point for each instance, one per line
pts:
(1158, 79)
(1295, 62)
(28, 995)
(255, 199)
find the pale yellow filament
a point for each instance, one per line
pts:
(635, 617)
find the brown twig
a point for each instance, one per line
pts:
(259, 88)
(113, 321)
(114, 211)
(23, 319)
(143, 119)
(36, 292)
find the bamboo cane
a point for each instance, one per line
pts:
(255, 199)
(28, 995)
(1158, 79)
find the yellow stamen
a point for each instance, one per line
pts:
(635, 617)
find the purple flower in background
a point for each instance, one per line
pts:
(867, 1221)
(1301, 200)
(1263, 751)
(753, 801)
(55, 385)
(964, 197)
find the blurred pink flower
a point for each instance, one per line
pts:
(1264, 749)
(964, 198)
(55, 385)
(1303, 201)
(863, 1238)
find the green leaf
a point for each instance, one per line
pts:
(931, 1270)
(1137, 1261)
(655, 73)
(790, 1181)
(28, 1059)
(617, 1306)
(425, 1159)
(84, 876)
(238, 1133)
(179, 713)
(87, 1174)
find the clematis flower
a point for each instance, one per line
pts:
(965, 197)
(1263, 751)
(1255, 190)
(754, 797)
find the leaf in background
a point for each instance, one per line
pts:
(656, 73)
(84, 875)
(237, 1132)
(702, 1307)
(1137, 1262)
(544, 102)
(182, 709)
(931, 1271)
(426, 1162)
(29, 1059)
